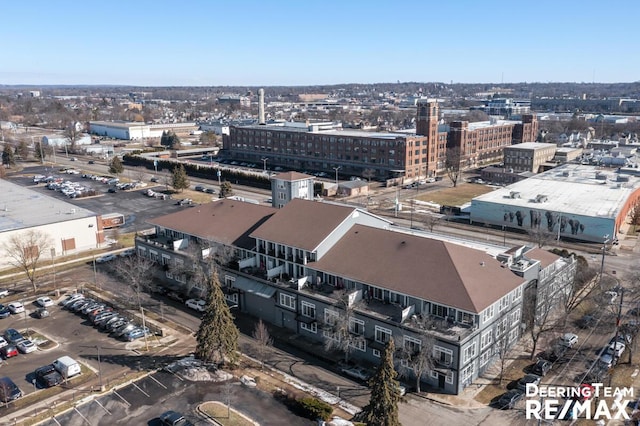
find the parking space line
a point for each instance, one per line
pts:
(177, 377)
(155, 380)
(123, 400)
(80, 414)
(56, 420)
(103, 407)
(138, 387)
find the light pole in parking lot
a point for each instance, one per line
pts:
(264, 161)
(99, 370)
(336, 169)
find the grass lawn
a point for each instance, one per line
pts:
(197, 196)
(218, 411)
(463, 193)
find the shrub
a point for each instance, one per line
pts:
(314, 409)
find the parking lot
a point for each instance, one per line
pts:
(73, 335)
(133, 204)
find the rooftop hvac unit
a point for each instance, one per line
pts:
(514, 194)
(566, 174)
(540, 198)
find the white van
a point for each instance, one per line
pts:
(67, 366)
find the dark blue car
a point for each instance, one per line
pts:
(4, 311)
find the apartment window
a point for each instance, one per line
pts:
(165, 259)
(469, 352)
(356, 326)
(485, 357)
(517, 294)
(229, 281)
(439, 310)
(412, 344)
(515, 317)
(504, 303)
(308, 309)
(488, 313)
(376, 353)
(330, 317)
(467, 374)
(465, 318)
(287, 301)
(442, 355)
(169, 274)
(513, 335)
(383, 335)
(486, 339)
(359, 344)
(233, 298)
(312, 328)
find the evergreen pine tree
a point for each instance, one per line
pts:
(225, 189)
(22, 150)
(180, 180)
(8, 158)
(217, 336)
(116, 167)
(382, 409)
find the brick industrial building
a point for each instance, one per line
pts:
(326, 146)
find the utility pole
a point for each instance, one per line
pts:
(144, 330)
(100, 369)
(604, 249)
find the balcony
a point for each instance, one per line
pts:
(159, 241)
(443, 328)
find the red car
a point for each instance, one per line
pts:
(8, 351)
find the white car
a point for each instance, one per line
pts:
(16, 307)
(568, 340)
(26, 346)
(197, 304)
(4, 292)
(105, 258)
(44, 301)
(3, 342)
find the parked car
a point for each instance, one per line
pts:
(199, 188)
(70, 298)
(529, 379)
(210, 191)
(173, 295)
(120, 331)
(41, 313)
(3, 342)
(197, 304)
(12, 335)
(95, 317)
(44, 301)
(8, 351)
(356, 372)
(509, 400)
(16, 307)
(556, 352)
(4, 311)
(79, 304)
(26, 346)
(3, 292)
(9, 391)
(568, 340)
(173, 418)
(105, 322)
(112, 326)
(616, 348)
(136, 333)
(622, 338)
(128, 252)
(48, 376)
(541, 367)
(106, 258)
(587, 321)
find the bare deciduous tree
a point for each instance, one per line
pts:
(264, 340)
(540, 236)
(430, 221)
(368, 174)
(25, 250)
(502, 344)
(539, 314)
(136, 271)
(453, 164)
(341, 332)
(416, 354)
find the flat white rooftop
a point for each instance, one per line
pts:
(572, 189)
(22, 208)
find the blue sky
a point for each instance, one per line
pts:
(254, 43)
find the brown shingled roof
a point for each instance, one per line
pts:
(226, 221)
(545, 257)
(438, 271)
(303, 224)
(291, 176)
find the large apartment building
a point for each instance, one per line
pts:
(309, 264)
(326, 146)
